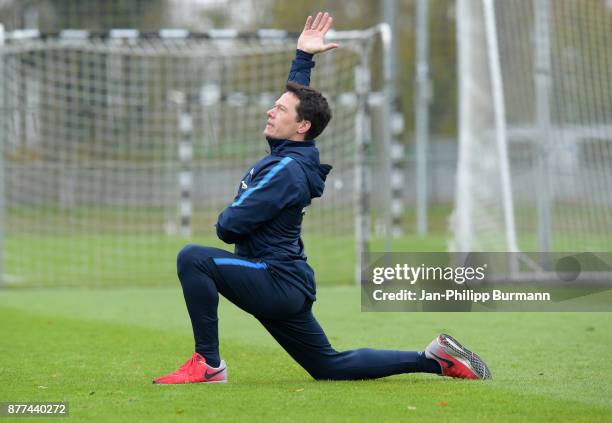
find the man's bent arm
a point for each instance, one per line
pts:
(271, 192)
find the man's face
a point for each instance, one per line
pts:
(283, 119)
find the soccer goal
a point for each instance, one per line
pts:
(535, 131)
(118, 148)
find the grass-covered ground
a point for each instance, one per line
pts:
(122, 321)
(90, 260)
(99, 350)
(118, 247)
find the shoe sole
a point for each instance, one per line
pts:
(453, 347)
(193, 383)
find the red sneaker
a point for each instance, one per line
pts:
(195, 370)
(456, 360)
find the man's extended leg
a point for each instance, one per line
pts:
(303, 338)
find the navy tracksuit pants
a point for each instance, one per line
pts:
(283, 310)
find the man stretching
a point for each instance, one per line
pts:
(268, 276)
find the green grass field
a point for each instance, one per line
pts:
(121, 321)
(90, 260)
(99, 350)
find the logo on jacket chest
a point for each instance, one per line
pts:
(243, 183)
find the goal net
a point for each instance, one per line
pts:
(120, 148)
(535, 112)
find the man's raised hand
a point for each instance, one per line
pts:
(312, 38)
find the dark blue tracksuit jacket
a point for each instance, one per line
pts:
(265, 218)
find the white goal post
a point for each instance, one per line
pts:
(535, 126)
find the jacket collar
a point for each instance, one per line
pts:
(279, 143)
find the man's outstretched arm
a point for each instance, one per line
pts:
(311, 42)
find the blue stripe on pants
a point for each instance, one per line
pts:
(238, 262)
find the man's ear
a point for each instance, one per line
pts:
(304, 126)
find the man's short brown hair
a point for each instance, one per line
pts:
(313, 107)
